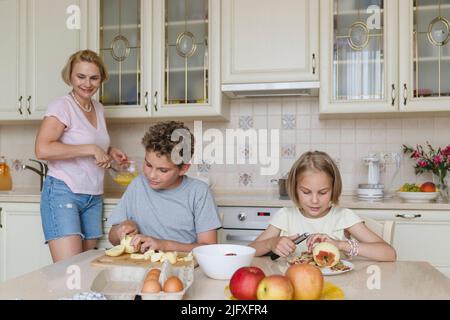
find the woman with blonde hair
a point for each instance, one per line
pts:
(73, 138)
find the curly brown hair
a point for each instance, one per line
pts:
(164, 137)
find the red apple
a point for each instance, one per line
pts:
(428, 187)
(307, 281)
(244, 282)
(275, 287)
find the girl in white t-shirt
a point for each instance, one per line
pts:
(314, 185)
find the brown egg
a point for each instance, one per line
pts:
(153, 274)
(151, 286)
(173, 284)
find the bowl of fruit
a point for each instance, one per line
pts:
(412, 192)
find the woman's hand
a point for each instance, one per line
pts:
(101, 158)
(319, 237)
(283, 246)
(117, 155)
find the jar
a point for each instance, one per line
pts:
(5, 176)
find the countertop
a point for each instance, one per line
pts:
(253, 199)
(398, 280)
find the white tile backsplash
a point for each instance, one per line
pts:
(349, 140)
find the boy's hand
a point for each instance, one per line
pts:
(283, 246)
(319, 237)
(127, 228)
(147, 243)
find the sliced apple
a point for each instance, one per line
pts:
(156, 256)
(137, 256)
(326, 254)
(127, 243)
(115, 251)
(148, 254)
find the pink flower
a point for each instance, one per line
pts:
(437, 160)
(446, 151)
(415, 155)
(422, 164)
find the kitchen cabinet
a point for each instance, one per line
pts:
(163, 57)
(384, 56)
(424, 58)
(267, 41)
(22, 243)
(419, 235)
(38, 36)
(103, 242)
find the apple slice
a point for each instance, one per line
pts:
(128, 247)
(326, 254)
(115, 251)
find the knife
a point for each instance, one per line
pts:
(301, 238)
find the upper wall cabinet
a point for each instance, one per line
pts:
(186, 60)
(267, 41)
(358, 45)
(38, 36)
(424, 55)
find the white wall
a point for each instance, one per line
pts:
(346, 140)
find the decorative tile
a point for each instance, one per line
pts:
(288, 121)
(203, 167)
(288, 151)
(245, 180)
(244, 151)
(245, 122)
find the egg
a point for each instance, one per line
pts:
(151, 286)
(173, 284)
(153, 274)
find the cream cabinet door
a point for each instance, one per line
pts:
(186, 60)
(424, 55)
(267, 41)
(22, 244)
(11, 64)
(358, 54)
(418, 235)
(54, 30)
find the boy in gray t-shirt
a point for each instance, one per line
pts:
(163, 209)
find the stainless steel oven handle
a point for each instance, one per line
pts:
(230, 237)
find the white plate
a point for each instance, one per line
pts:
(417, 196)
(329, 272)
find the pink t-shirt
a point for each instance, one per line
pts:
(81, 174)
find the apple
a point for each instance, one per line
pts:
(244, 282)
(126, 242)
(307, 281)
(275, 287)
(326, 254)
(428, 187)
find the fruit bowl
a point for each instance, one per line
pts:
(417, 196)
(123, 173)
(220, 261)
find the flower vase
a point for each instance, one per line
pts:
(442, 183)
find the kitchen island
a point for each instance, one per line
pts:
(397, 280)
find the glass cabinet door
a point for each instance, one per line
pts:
(186, 67)
(358, 62)
(120, 47)
(431, 49)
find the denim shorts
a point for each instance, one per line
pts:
(65, 213)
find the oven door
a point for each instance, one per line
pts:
(238, 236)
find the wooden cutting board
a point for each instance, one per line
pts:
(125, 260)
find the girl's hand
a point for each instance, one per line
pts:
(118, 155)
(319, 237)
(283, 246)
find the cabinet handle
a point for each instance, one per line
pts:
(104, 219)
(146, 101)
(314, 63)
(1, 226)
(20, 105)
(155, 101)
(408, 216)
(405, 94)
(393, 94)
(240, 238)
(29, 105)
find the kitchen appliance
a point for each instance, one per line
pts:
(372, 190)
(242, 225)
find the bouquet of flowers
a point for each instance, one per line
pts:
(435, 160)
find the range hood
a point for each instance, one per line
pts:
(248, 90)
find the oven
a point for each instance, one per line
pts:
(242, 225)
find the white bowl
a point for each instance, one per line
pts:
(417, 196)
(216, 264)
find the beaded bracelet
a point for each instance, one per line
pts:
(354, 248)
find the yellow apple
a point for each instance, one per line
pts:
(128, 247)
(326, 254)
(275, 287)
(115, 251)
